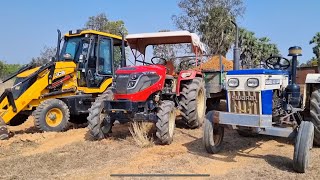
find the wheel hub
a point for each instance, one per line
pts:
(54, 117)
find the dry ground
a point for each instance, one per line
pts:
(30, 154)
(69, 155)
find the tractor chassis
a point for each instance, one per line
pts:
(125, 111)
(260, 124)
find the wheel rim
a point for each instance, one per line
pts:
(172, 118)
(200, 105)
(54, 117)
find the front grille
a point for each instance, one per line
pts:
(244, 102)
(122, 83)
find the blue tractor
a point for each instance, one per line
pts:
(264, 101)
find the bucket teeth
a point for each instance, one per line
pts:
(4, 134)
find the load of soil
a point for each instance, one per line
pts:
(214, 64)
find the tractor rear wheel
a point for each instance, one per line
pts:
(166, 122)
(302, 147)
(315, 115)
(52, 115)
(193, 102)
(99, 123)
(212, 135)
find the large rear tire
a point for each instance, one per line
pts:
(99, 123)
(302, 147)
(315, 115)
(212, 135)
(166, 122)
(52, 115)
(193, 102)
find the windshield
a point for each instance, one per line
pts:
(70, 47)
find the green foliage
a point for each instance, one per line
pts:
(101, 23)
(211, 19)
(253, 49)
(316, 49)
(7, 69)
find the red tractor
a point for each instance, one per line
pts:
(152, 91)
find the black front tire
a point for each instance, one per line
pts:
(42, 112)
(212, 135)
(166, 122)
(302, 147)
(99, 124)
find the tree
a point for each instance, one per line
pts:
(211, 19)
(316, 48)
(2, 66)
(101, 23)
(254, 49)
(7, 69)
(45, 54)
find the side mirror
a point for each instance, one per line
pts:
(52, 59)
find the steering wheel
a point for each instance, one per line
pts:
(160, 58)
(274, 62)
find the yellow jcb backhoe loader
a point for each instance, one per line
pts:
(61, 92)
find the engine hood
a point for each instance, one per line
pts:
(160, 69)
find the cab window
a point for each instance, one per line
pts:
(105, 57)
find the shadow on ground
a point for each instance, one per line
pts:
(234, 146)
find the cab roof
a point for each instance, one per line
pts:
(141, 41)
(83, 32)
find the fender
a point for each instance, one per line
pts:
(186, 75)
(313, 79)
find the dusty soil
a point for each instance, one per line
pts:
(30, 154)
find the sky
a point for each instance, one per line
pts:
(28, 26)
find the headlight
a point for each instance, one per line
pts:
(131, 84)
(233, 82)
(253, 82)
(135, 76)
(272, 81)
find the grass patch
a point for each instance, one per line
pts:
(140, 132)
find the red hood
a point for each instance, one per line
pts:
(137, 69)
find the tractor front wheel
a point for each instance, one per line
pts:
(52, 115)
(99, 123)
(302, 147)
(315, 115)
(166, 122)
(193, 102)
(212, 135)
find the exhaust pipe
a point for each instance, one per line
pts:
(123, 51)
(236, 49)
(58, 45)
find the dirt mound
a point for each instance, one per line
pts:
(214, 64)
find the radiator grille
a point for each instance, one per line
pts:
(122, 83)
(244, 102)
